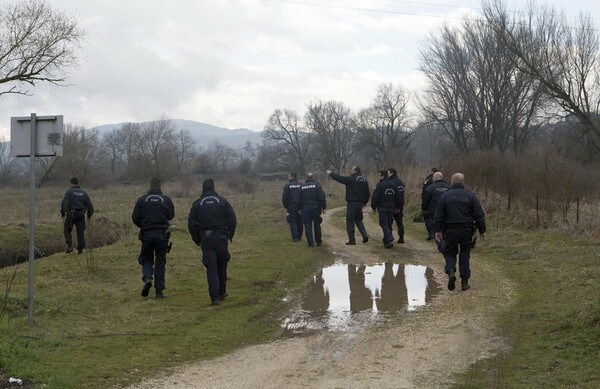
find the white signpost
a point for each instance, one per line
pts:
(35, 136)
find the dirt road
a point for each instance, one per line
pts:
(424, 349)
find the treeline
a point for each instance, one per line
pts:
(130, 153)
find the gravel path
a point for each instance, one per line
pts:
(423, 349)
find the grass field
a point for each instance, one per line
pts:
(92, 328)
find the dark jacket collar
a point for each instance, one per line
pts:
(458, 186)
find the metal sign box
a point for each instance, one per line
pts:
(48, 140)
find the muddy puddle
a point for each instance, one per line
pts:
(346, 297)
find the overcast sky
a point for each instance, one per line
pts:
(231, 63)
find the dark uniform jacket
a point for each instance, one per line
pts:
(76, 199)
(432, 196)
(291, 195)
(357, 187)
(386, 195)
(400, 187)
(458, 208)
(428, 181)
(312, 195)
(211, 212)
(153, 211)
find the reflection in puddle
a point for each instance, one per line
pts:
(343, 296)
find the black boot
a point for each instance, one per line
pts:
(451, 280)
(464, 283)
(401, 239)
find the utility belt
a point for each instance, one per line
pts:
(154, 232)
(207, 234)
(75, 211)
(165, 233)
(459, 226)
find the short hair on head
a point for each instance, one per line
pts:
(293, 175)
(208, 185)
(434, 169)
(437, 176)
(74, 181)
(310, 176)
(392, 170)
(356, 169)
(383, 173)
(155, 183)
(458, 178)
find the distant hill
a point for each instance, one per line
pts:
(204, 133)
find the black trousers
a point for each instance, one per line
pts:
(457, 242)
(354, 215)
(76, 219)
(215, 256)
(398, 218)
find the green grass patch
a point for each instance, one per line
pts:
(93, 329)
(553, 329)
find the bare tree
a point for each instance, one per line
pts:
(335, 133)
(564, 59)
(382, 129)
(127, 140)
(184, 147)
(80, 156)
(156, 148)
(285, 128)
(80, 151)
(37, 44)
(221, 153)
(7, 162)
(111, 145)
(442, 103)
(477, 92)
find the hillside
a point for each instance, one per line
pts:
(204, 133)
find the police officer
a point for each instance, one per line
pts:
(357, 196)
(430, 201)
(385, 201)
(428, 181)
(212, 224)
(151, 214)
(455, 214)
(399, 212)
(313, 203)
(291, 202)
(73, 209)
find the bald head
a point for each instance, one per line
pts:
(458, 178)
(437, 176)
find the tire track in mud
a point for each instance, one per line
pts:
(423, 349)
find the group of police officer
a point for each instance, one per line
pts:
(211, 224)
(452, 214)
(304, 203)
